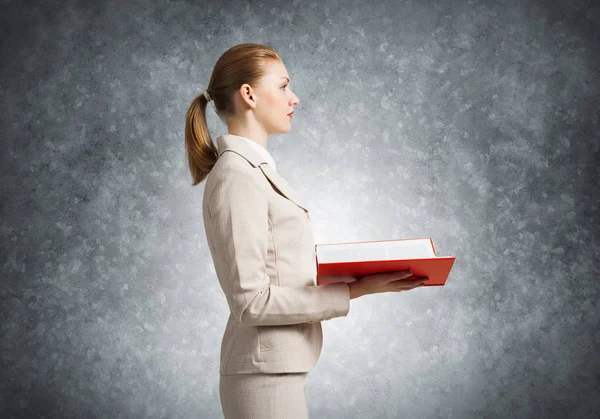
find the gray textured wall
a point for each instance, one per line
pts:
(474, 123)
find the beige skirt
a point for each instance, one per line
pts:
(264, 396)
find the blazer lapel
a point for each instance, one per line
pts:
(281, 185)
(228, 142)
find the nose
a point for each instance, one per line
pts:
(296, 100)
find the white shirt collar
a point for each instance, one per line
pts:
(260, 149)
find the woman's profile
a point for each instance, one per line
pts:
(261, 241)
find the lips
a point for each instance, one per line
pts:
(290, 114)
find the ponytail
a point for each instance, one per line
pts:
(201, 151)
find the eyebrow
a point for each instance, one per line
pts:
(286, 78)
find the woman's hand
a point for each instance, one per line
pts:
(385, 282)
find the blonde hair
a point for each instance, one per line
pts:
(242, 63)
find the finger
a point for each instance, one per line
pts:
(419, 285)
(415, 279)
(396, 276)
(420, 282)
(409, 285)
(409, 281)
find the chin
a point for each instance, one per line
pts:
(281, 130)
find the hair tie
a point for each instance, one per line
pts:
(207, 96)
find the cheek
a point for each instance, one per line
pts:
(272, 104)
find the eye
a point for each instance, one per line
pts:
(284, 86)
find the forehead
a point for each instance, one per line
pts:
(275, 71)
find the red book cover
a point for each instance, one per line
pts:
(437, 269)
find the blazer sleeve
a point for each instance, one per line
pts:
(238, 238)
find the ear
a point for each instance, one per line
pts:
(248, 95)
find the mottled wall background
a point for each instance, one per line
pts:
(474, 123)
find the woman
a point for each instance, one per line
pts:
(261, 241)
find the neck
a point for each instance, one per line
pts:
(253, 132)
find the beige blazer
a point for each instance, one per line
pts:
(261, 241)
